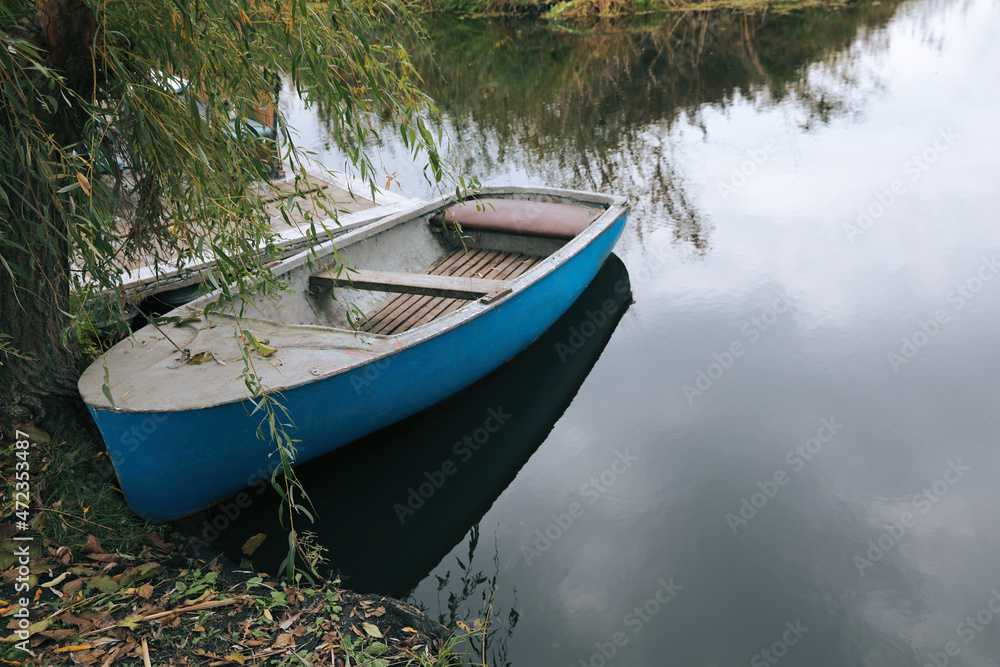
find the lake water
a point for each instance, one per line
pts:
(786, 449)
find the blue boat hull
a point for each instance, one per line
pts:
(170, 464)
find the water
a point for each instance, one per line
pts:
(785, 450)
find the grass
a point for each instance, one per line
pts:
(103, 586)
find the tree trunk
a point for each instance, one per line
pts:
(42, 390)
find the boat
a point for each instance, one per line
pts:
(373, 326)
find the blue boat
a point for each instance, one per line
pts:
(373, 327)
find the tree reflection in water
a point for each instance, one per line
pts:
(601, 109)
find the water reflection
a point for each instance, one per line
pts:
(391, 505)
(602, 110)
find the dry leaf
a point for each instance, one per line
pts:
(93, 546)
(251, 545)
(55, 582)
(199, 358)
(74, 647)
(288, 620)
(158, 542)
(372, 630)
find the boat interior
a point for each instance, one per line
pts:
(395, 277)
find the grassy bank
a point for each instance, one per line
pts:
(86, 581)
(579, 9)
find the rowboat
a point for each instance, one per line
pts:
(374, 326)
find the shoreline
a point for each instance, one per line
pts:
(152, 592)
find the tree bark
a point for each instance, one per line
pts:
(42, 390)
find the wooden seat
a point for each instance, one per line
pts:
(449, 287)
(404, 311)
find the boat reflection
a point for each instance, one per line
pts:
(391, 505)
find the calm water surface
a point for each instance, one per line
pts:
(786, 449)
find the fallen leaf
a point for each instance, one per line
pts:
(284, 640)
(237, 658)
(157, 541)
(55, 582)
(35, 434)
(144, 571)
(372, 630)
(251, 545)
(130, 622)
(73, 587)
(199, 358)
(288, 620)
(191, 601)
(103, 583)
(145, 591)
(103, 558)
(74, 647)
(93, 546)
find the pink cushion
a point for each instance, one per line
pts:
(515, 216)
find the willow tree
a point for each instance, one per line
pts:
(106, 162)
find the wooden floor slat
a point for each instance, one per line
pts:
(402, 312)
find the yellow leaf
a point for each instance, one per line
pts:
(251, 545)
(267, 615)
(372, 630)
(237, 658)
(74, 647)
(198, 599)
(84, 183)
(199, 358)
